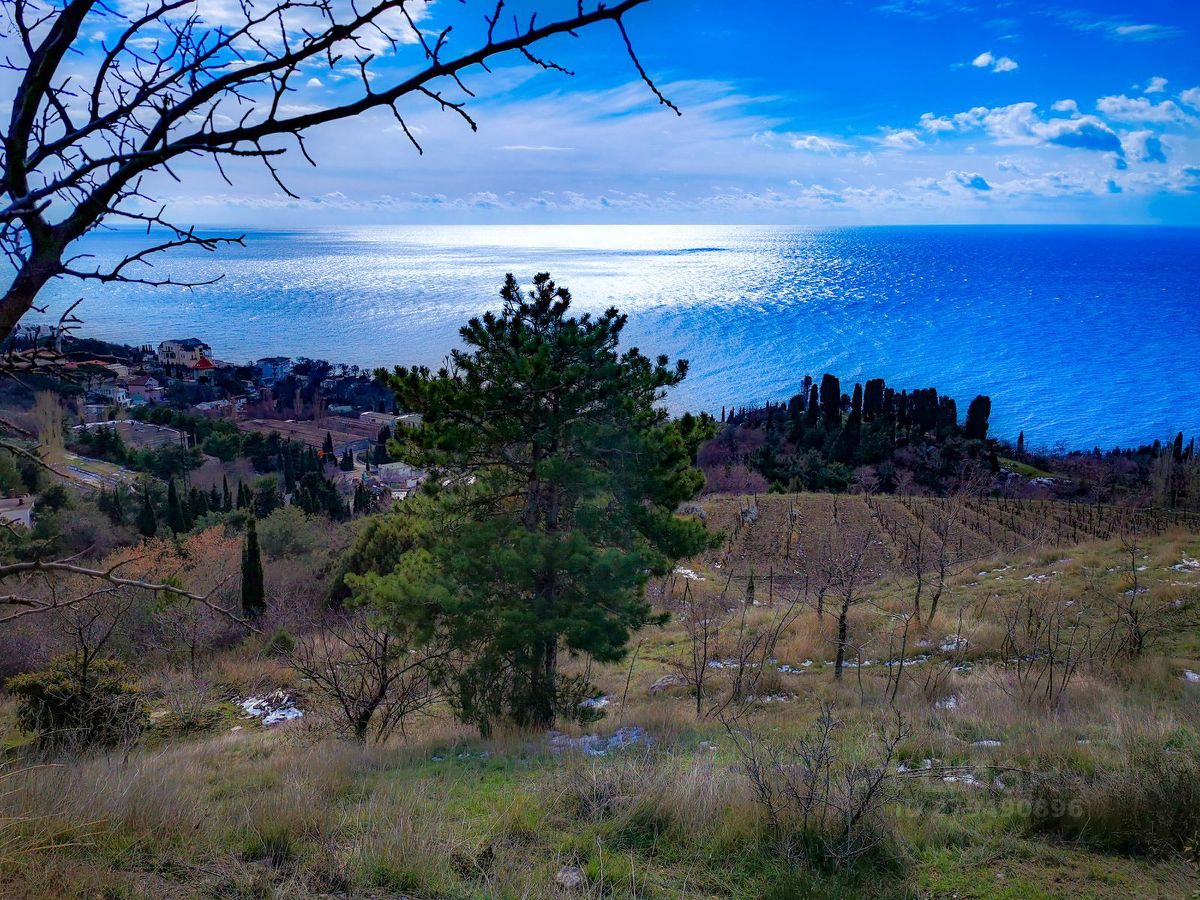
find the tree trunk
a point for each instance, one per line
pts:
(843, 617)
(23, 291)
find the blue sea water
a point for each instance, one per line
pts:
(1081, 335)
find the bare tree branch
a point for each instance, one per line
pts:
(87, 127)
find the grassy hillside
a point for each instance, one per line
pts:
(991, 784)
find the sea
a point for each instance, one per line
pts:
(1082, 336)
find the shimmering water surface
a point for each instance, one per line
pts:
(1081, 335)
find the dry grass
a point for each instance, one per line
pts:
(288, 812)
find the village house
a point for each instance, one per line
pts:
(115, 394)
(378, 419)
(273, 368)
(397, 473)
(184, 353)
(202, 371)
(145, 387)
(391, 420)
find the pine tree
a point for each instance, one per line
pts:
(253, 593)
(492, 575)
(147, 521)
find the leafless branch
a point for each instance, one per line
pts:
(89, 124)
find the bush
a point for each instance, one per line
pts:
(1148, 805)
(288, 532)
(77, 704)
(279, 644)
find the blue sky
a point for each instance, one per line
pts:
(880, 111)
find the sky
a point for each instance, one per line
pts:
(851, 112)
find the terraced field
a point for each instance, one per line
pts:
(780, 539)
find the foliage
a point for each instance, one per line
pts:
(79, 703)
(565, 480)
(1148, 804)
(819, 439)
(280, 643)
(254, 599)
(382, 542)
(288, 531)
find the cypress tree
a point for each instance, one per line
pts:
(226, 496)
(253, 593)
(873, 399)
(327, 447)
(813, 410)
(1020, 445)
(977, 418)
(147, 521)
(831, 400)
(175, 515)
(117, 512)
(856, 402)
(1177, 448)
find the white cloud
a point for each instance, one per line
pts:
(816, 144)
(314, 83)
(1144, 146)
(1157, 85)
(1008, 165)
(1139, 109)
(1191, 97)
(900, 139)
(1020, 124)
(935, 124)
(1118, 29)
(986, 60)
(1066, 106)
(1144, 32)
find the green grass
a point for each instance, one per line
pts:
(1024, 469)
(281, 813)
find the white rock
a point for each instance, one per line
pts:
(569, 877)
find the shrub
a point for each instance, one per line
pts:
(77, 704)
(288, 532)
(824, 802)
(1149, 804)
(280, 644)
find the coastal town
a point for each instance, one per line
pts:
(153, 396)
